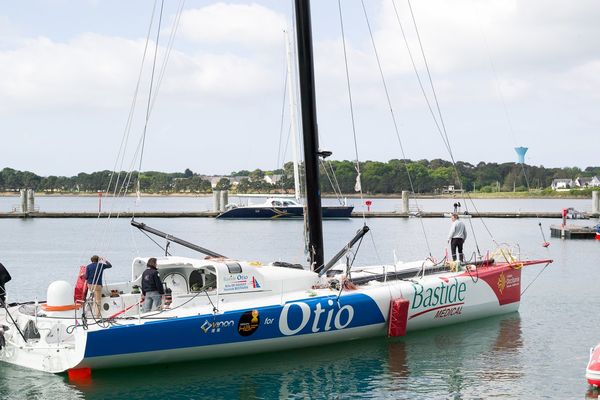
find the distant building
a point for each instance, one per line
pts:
(235, 180)
(214, 180)
(585, 182)
(561, 184)
(273, 179)
(451, 189)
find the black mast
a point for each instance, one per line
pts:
(309, 133)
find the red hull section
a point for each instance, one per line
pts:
(504, 279)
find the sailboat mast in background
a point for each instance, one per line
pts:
(291, 82)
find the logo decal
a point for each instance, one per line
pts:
(299, 315)
(215, 326)
(439, 295)
(255, 283)
(501, 282)
(249, 322)
(446, 298)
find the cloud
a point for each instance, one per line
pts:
(226, 71)
(220, 77)
(583, 79)
(88, 70)
(249, 25)
(93, 71)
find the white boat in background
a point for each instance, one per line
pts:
(281, 208)
(284, 207)
(223, 307)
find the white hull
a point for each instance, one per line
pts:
(254, 315)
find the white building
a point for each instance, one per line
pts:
(587, 182)
(561, 184)
(273, 179)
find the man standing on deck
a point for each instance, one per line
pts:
(457, 237)
(93, 275)
(152, 287)
(4, 277)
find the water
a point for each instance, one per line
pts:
(540, 352)
(205, 203)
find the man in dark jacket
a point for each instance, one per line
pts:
(93, 275)
(4, 277)
(152, 287)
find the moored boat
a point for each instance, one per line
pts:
(282, 208)
(223, 307)
(592, 372)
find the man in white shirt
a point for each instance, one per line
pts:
(457, 237)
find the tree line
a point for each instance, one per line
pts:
(392, 177)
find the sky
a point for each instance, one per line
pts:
(506, 74)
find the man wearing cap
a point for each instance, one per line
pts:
(457, 237)
(152, 287)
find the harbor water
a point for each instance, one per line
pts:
(205, 203)
(539, 352)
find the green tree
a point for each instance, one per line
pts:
(223, 184)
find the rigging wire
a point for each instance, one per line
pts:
(508, 119)
(396, 129)
(333, 182)
(119, 160)
(153, 92)
(358, 184)
(121, 191)
(281, 124)
(441, 126)
(148, 106)
(169, 48)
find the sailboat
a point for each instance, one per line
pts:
(224, 307)
(282, 208)
(285, 207)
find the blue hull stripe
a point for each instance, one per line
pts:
(300, 317)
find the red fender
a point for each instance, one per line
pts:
(81, 286)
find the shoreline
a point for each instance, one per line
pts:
(500, 195)
(355, 214)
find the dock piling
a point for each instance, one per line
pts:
(23, 201)
(224, 200)
(216, 200)
(30, 200)
(595, 202)
(405, 206)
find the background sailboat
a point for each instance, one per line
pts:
(284, 207)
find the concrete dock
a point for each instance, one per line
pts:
(572, 232)
(212, 214)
